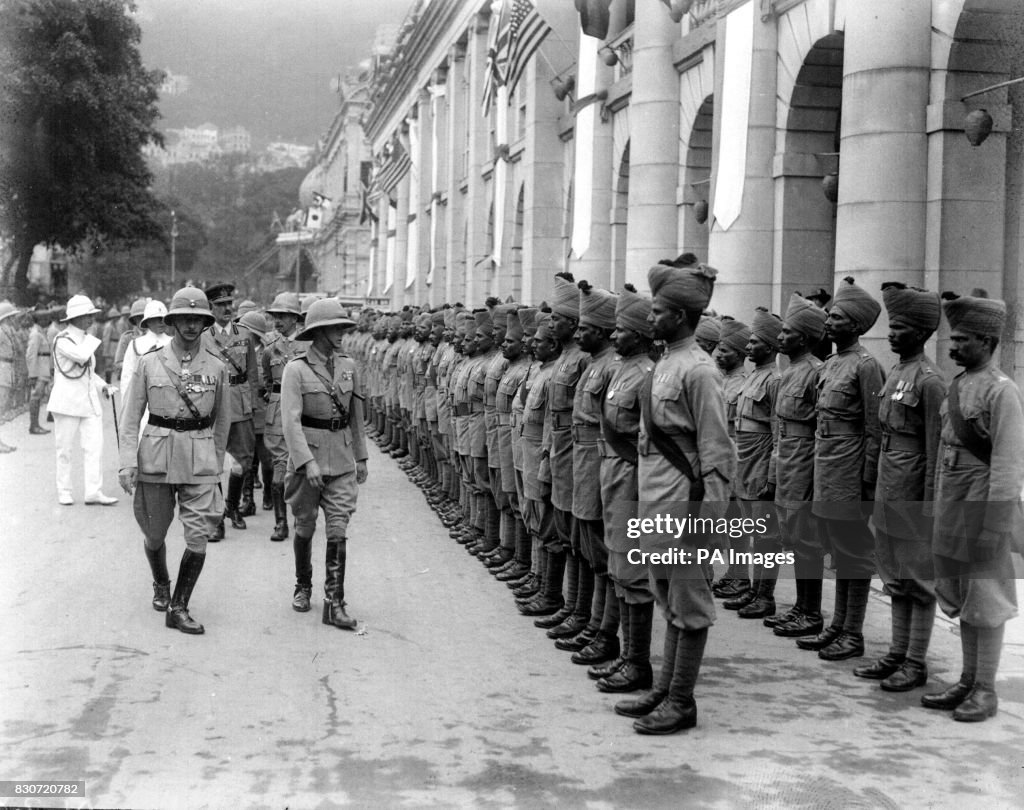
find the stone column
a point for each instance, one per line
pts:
(883, 163)
(654, 142)
(743, 254)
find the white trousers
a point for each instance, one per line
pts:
(90, 429)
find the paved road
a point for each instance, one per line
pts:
(449, 698)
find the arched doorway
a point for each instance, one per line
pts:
(620, 222)
(693, 233)
(805, 217)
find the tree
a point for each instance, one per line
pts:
(78, 107)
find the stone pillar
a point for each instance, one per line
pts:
(454, 223)
(399, 294)
(478, 248)
(743, 254)
(654, 142)
(883, 164)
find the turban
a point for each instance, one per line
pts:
(406, 316)
(735, 335)
(449, 317)
(527, 317)
(857, 304)
(500, 315)
(423, 319)
(438, 318)
(910, 306)
(514, 330)
(544, 326)
(566, 298)
(683, 287)
(631, 311)
(975, 313)
(484, 324)
(597, 307)
(462, 320)
(766, 327)
(709, 329)
(805, 318)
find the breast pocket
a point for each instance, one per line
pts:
(204, 455)
(154, 447)
(663, 394)
(754, 403)
(164, 399)
(901, 414)
(622, 410)
(843, 397)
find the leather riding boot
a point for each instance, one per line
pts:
(764, 602)
(303, 550)
(636, 673)
(33, 415)
(678, 710)
(231, 502)
(177, 617)
(648, 701)
(161, 578)
(334, 605)
(268, 487)
(280, 513)
(247, 506)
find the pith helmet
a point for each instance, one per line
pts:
(189, 301)
(154, 309)
(286, 302)
(255, 322)
(325, 312)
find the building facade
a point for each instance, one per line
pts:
(789, 143)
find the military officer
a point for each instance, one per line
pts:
(846, 467)
(488, 518)
(802, 327)
(978, 519)
(180, 454)
(322, 415)
(40, 368)
(684, 455)
(261, 330)
(235, 346)
(8, 314)
(911, 425)
(620, 429)
(755, 445)
(285, 312)
(499, 530)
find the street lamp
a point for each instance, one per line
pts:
(174, 236)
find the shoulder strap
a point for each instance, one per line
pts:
(623, 446)
(176, 382)
(225, 356)
(976, 445)
(328, 388)
(666, 446)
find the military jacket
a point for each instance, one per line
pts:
(37, 354)
(994, 405)
(755, 431)
(909, 406)
(234, 347)
(569, 369)
(846, 441)
(796, 411)
(504, 399)
(165, 455)
(77, 388)
(686, 402)
(305, 392)
(276, 355)
(732, 384)
(534, 430)
(586, 428)
(8, 350)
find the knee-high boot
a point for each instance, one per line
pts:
(178, 617)
(303, 549)
(334, 585)
(161, 578)
(280, 513)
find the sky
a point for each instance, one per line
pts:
(266, 66)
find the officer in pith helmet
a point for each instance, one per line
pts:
(180, 454)
(322, 416)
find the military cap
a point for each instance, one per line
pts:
(220, 292)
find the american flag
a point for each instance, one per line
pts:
(497, 42)
(526, 31)
(394, 167)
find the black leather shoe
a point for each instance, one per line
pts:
(161, 596)
(543, 606)
(177, 618)
(726, 588)
(604, 647)
(576, 643)
(641, 706)
(498, 559)
(630, 678)
(846, 645)
(300, 601)
(740, 601)
(758, 608)
(334, 613)
(782, 618)
(517, 571)
(909, 676)
(218, 532)
(819, 641)
(237, 521)
(598, 671)
(882, 668)
(555, 619)
(35, 430)
(670, 716)
(980, 704)
(570, 626)
(806, 624)
(951, 698)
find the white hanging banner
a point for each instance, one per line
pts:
(583, 146)
(374, 230)
(732, 149)
(412, 252)
(389, 258)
